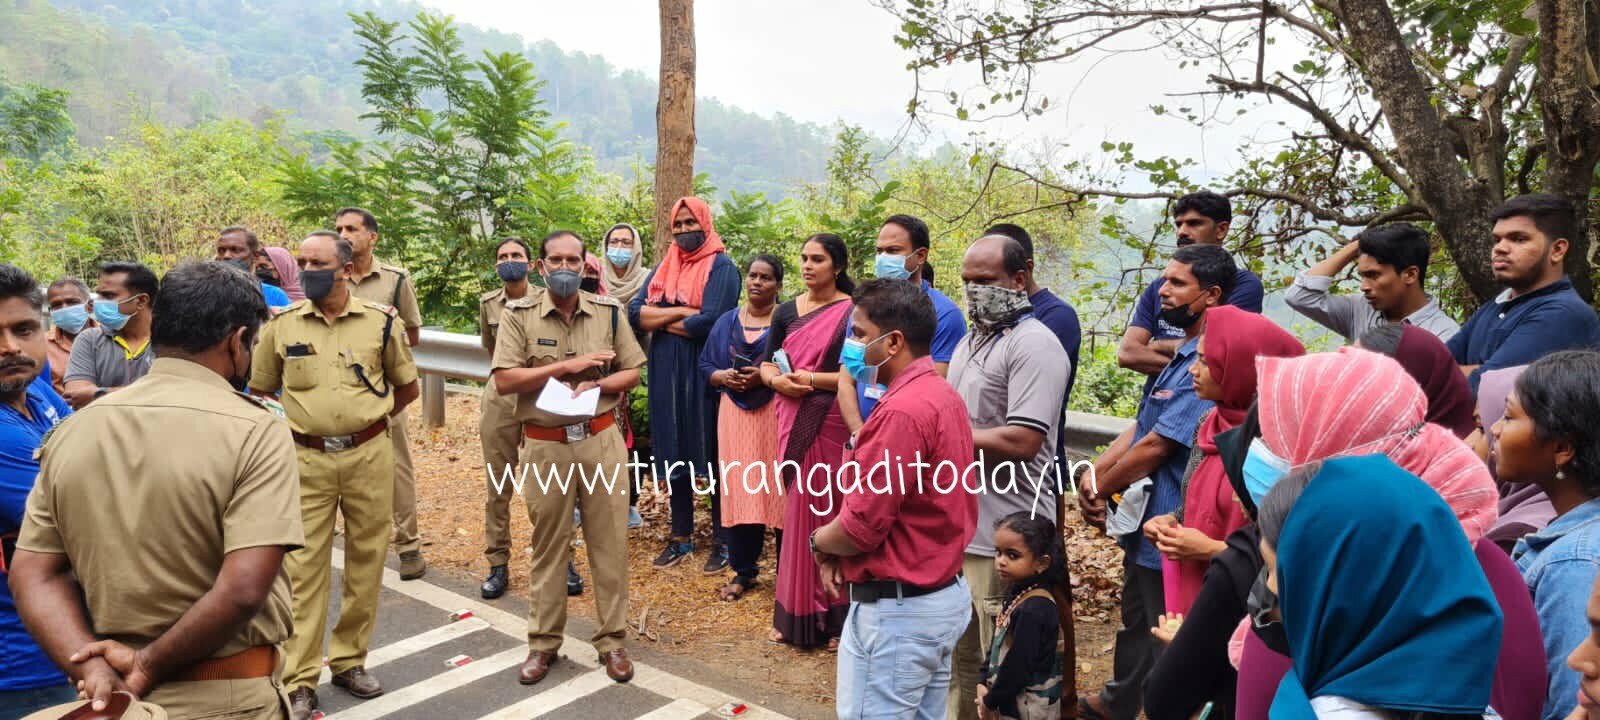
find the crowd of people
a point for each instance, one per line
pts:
(1407, 525)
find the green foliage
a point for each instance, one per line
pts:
(1103, 388)
(33, 120)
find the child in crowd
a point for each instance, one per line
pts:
(1022, 677)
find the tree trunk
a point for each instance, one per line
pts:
(1458, 203)
(674, 115)
(1569, 39)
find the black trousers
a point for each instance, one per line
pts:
(1136, 649)
(745, 543)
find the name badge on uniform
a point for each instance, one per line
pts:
(299, 350)
(874, 392)
(547, 342)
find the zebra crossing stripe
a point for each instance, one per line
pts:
(554, 697)
(416, 643)
(680, 709)
(397, 700)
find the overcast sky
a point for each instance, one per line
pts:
(828, 60)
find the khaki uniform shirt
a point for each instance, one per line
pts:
(491, 305)
(314, 362)
(533, 333)
(390, 285)
(145, 524)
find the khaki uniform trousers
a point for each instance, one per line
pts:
(500, 433)
(605, 533)
(359, 485)
(988, 594)
(406, 537)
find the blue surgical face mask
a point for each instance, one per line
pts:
(619, 257)
(891, 267)
(109, 314)
(1262, 469)
(854, 359)
(71, 318)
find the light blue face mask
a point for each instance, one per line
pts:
(891, 267)
(1262, 469)
(109, 314)
(71, 318)
(854, 359)
(619, 257)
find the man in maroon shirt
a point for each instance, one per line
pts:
(906, 516)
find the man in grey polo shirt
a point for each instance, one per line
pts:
(1012, 373)
(117, 351)
(1392, 261)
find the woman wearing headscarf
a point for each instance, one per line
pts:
(590, 282)
(694, 284)
(286, 273)
(1524, 508)
(1307, 414)
(1225, 375)
(1425, 357)
(622, 276)
(1382, 605)
(624, 272)
(1549, 437)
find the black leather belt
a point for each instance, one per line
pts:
(875, 590)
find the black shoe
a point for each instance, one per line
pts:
(495, 585)
(717, 559)
(574, 580)
(674, 554)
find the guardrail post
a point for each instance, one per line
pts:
(433, 395)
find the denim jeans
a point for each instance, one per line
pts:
(17, 703)
(894, 657)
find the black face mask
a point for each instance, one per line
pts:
(1259, 604)
(589, 285)
(317, 283)
(242, 264)
(1180, 317)
(269, 277)
(690, 241)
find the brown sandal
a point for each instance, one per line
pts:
(737, 587)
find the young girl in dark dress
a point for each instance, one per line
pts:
(1022, 676)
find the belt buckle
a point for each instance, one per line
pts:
(577, 431)
(338, 444)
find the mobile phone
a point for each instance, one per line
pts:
(781, 359)
(1205, 712)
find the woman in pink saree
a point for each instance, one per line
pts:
(808, 331)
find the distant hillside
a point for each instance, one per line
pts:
(188, 60)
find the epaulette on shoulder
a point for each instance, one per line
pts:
(385, 309)
(526, 301)
(604, 300)
(396, 269)
(38, 452)
(491, 294)
(268, 404)
(295, 306)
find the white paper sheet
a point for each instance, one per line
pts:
(556, 398)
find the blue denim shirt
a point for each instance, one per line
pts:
(1172, 410)
(1560, 563)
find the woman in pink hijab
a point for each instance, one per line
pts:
(286, 271)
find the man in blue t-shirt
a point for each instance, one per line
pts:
(237, 246)
(1538, 313)
(1202, 218)
(903, 247)
(29, 408)
(1156, 447)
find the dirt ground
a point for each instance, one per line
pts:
(678, 607)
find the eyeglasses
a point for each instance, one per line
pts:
(556, 264)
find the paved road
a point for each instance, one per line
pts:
(415, 637)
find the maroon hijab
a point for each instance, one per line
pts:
(1450, 401)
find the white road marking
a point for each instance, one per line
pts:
(445, 681)
(680, 709)
(416, 643)
(683, 692)
(554, 697)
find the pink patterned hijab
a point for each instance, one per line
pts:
(1357, 402)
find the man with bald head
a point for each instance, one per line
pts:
(1012, 373)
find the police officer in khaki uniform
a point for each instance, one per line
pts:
(178, 551)
(345, 370)
(498, 428)
(390, 285)
(583, 341)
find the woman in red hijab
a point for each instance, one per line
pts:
(694, 284)
(1225, 375)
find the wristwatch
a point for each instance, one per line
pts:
(812, 541)
(99, 392)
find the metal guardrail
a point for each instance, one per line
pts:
(441, 355)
